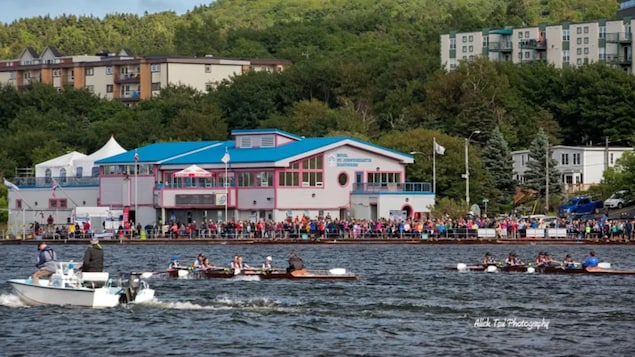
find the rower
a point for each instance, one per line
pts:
(591, 261)
(549, 261)
(540, 260)
(568, 262)
(198, 263)
(512, 260)
(295, 263)
(174, 263)
(489, 260)
(266, 266)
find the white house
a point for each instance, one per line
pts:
(580, 166)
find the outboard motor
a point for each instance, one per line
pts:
(130, 283)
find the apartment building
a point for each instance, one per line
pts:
(580, 166)
(627, 8)
(566, 44)
(123, 76)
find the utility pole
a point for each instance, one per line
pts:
(606, 153)
(547, 177)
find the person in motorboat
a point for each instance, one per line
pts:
(591, 261)
(174, 263)
(93, 257)
(568, 262)
(295, 263)
(489, 259)
(45, 263)
(266, 266)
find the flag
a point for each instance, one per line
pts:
(54, 186)
(136, 155)
(11, 185)
(439, 149)
(225, 158)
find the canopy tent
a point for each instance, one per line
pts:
(62, 166)
(193, 172)
(111, 148)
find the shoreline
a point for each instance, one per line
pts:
(203, 241)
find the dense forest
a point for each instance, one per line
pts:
(364, 68)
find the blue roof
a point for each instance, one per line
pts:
(247, 155)
(157, 152)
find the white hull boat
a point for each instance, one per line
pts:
(83, 289)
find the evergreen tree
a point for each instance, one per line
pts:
(537, 170)
(497, 159)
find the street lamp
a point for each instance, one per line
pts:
(467, 168)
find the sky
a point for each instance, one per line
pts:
(16, 9)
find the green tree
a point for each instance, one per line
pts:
(535, 176)
(497, 159)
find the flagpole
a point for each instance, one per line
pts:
(64, 191)
(15, 189)
(434, 165)
(226, 189)
(136, 187)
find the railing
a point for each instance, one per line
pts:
(501, 46)
(40, 182)
(619, 37)
(535, 44)
(411, 187)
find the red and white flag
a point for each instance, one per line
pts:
(136, 156)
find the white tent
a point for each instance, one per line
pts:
(64, 165)
(111, 148)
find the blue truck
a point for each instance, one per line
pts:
(580, 205)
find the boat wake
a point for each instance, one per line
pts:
(11, 300)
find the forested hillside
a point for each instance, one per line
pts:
(365, 68)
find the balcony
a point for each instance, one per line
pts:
(619, 60)
(127, 78)
(393, 188)
(504, 46)
(533, 44)
(130, 96)
(64, 182)
(619, 37)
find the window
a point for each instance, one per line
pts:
(62, 175)
(578, 41)
(586, 40)
(453, 43)
(576, 159)
(578, 30)
(565, 159)
(211, 85)
(520, 34)
(267, 141)
(155, 68)
(79, 171)
(245, 141)
(90, 88)
(565, 35)
(464, 39)
(264, 179)
(586, 29)
(156, 86)
(586, 50)
(95, 171)
(90, 71)
(611, 159)
(471, 38)
(245, 179)
(312, 175)
(383, 178)
(520, 55)
(108, 88)
(566, 56)
(578, 51)
(526, 34)
(208, 68)
(526, 54)
(602, 32)
(342, 179)
(579, 61)
(471, 48)
(485, 41)
(11, 76)
(289, 179)
(55, 203)
(57, 73)
(464, 48)
(109, 71)
(27, 75)
(18, 204)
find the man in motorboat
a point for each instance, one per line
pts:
(174, 263)
(93, 257)
(295, 263)
(45, 264)
(489, 260)
(591, 261)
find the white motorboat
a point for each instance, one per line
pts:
(65, 287)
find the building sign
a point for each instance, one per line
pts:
(196, 200)
(343, 160)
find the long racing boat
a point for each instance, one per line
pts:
(602, 270)
(225, 273)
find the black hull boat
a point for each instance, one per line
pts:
(541, 270)
(331, 274)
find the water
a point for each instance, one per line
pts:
(404, 304)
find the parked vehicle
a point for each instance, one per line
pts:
(580, 205)
(619, 199)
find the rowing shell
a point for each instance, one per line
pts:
(331, 274)
(542, 270)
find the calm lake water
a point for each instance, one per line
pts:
(404, 304)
